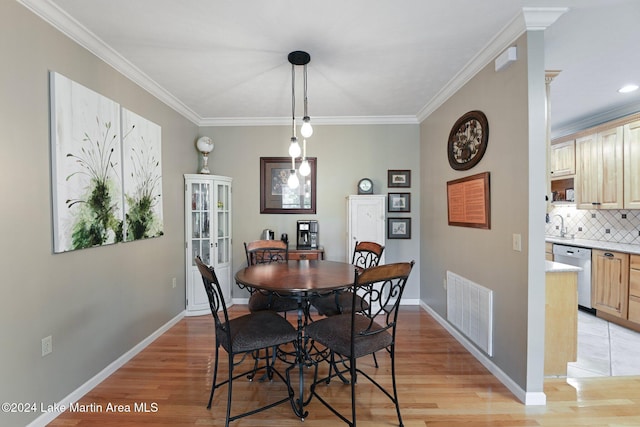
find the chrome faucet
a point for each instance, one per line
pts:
(563, 231)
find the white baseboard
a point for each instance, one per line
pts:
(245, 301)
(75, 395)
(528, 398)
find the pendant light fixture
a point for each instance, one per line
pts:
(299, 58)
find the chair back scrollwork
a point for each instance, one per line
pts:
(367, 254)
(382, 288)
(214, 294)
(266, 252)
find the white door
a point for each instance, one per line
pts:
(366, 221)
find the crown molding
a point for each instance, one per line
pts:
(593, 120)
(70, 27)
(531, 18)
(540, 18)
(323, 121)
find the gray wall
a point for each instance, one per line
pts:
(96, 303)
(345, 154)
(99, 303)
(486, 256)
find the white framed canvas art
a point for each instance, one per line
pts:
(86, 166)
(106, 170)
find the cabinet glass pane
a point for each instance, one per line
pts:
(194, 196)
(205, 197)
(223, 197)
(195, 250)
(195, 225)
(205, 224)
(221, 225)
(206, 252)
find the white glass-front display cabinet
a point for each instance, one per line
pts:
(208, 235)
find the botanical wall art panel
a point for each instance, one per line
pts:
(86, 166)
(106, 170)
(142, 176)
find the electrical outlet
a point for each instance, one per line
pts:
(173, 282)
(517, 242)
(47, 345)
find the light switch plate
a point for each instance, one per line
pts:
(517, 242)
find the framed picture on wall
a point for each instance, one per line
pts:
(398, 228)
(398, 178)
(399, 202)
(276, 197)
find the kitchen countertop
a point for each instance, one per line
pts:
(558, 267)
(595, 244)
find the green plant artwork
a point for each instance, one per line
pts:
(96, 221)
(143, 177)
(106, 183)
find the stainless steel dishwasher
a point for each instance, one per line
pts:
(580, 257)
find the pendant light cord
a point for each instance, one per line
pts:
(293, 100)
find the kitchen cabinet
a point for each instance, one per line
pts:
(562, 160)
(599, 170)
(610, 282)
(548, 251)
(365, 221)
(634, 289)
(208, 235)
(561, 321)
(631, 135)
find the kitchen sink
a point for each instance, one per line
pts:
(550, 236)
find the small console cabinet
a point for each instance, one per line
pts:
(306, 254)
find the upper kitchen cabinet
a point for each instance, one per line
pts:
(562, 170)
(562, 159)
(599, 170)
(632, 165)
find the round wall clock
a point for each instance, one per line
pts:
(468, 140)
(365, 186)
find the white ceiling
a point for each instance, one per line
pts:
(225, 62)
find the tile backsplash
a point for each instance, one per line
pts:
(610, 225)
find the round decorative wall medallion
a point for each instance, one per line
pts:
(468, 140)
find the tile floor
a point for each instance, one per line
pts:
(604, 349)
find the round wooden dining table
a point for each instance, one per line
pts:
(298, 277)
(300, 280)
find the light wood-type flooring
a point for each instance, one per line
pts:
(440, 385)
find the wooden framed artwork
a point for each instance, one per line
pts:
(399, 202)
(275, 195)
(469, 201)
(398, 178)
(398, 228)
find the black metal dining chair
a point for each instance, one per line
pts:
(361, 332)
(365, 255)
(267, 252)
(244, 335)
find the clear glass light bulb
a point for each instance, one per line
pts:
(306, 130)
(625, 89)
(293, 182)
(305, 168)
(294, 148)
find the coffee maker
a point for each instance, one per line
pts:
(307, 234)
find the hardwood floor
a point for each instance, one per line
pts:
(440, 385)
